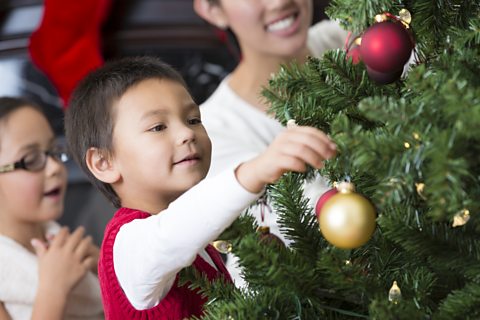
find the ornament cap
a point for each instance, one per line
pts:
(291, 123)
(263, 229)
(345, 187)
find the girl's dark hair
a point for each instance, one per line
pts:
(10, 104)
(89, 116)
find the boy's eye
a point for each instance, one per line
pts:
(158, 127)
(195, 121)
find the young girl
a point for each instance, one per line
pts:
(44, 269)
(269, 33)
(135, 130)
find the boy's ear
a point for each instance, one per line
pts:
(212, 13)
(101, 166)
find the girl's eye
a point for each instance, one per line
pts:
(195, 121)
(158, 127)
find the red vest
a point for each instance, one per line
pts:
(179, 303)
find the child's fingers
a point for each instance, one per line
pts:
(75, 238)
(313, 133)
(39, 246)
(307, 155)
(83, 248)
(88, 263)
(292, 163)
(60, 237)
(306, 149)
(314, 140)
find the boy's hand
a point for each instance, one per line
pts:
(291, 150)
(64, 261)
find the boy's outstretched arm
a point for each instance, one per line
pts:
(176, 235)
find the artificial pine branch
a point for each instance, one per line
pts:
(411, 147)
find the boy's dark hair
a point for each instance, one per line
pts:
(89, 116)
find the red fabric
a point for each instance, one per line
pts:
(179, 303)
(67, 44)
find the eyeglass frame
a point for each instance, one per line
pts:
(59, 155)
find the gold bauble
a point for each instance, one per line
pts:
(347, 219)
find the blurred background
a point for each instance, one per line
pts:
(169, 29)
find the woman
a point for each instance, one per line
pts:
(269, 33)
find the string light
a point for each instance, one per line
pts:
(461, 218)
(222, 246)
(394, 294)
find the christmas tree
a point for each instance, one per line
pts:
(410, 146)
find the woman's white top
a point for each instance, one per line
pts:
(239, 131)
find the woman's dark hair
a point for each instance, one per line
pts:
(89, 116)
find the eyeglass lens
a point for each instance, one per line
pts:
(36, 160)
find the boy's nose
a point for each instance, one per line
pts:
(185, 135)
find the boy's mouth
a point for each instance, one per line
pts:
(188, 159)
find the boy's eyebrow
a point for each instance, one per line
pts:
(188, 106)
(191, 105)
(153, 113)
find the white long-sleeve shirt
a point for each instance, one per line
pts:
(239, 131)
(148, 253)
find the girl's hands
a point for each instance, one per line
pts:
(64, 261)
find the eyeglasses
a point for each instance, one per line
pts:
(36, 160)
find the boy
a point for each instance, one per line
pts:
(135, 130)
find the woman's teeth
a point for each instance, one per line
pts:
(281, 24)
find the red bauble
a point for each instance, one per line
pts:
(384, 78)
(323, 198)
(354, 54)
(267, 237)
(386, 46)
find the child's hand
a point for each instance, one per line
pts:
(94, 253)
(292, 150)
(64, 261)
